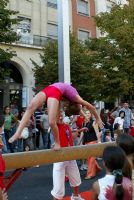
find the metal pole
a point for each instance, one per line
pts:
(63, 41)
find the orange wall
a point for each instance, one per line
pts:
(84, 22)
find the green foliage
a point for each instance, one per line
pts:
(103, 68)
(113, 55)
(47, 73)
(7, 34)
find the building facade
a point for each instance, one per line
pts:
(38, 24)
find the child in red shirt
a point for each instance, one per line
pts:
(68, 168)
(132, 128)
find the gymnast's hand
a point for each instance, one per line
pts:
(4, 195)
(100, 123)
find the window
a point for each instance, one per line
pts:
(108, 9)
(83, 35)
(24, 30)
(52, 3)
(82, 7)
(52, 30)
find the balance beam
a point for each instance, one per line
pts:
(41, 157)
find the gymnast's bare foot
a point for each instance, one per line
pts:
(13, 138)
(56, 146)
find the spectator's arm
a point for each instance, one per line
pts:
(95, 191)
(98, 133)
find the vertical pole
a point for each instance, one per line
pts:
(63, 41)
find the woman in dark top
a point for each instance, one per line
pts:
(92, 136)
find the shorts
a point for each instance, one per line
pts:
(61, 169)
(52, 92)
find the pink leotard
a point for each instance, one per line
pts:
(67, 90)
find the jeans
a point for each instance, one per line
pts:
(8, 134)
(45, 138)
(4, 148)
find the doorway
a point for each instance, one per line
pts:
(11, 87)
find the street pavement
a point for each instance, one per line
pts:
(36, 184)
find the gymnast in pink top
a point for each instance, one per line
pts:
(52, 95)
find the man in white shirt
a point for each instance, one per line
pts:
(45, 127)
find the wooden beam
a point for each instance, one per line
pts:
(41, 157)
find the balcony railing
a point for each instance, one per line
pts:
(35, 40)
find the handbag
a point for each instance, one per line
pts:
(25, 133)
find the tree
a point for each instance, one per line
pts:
(103, 68)
(7, 34)
(47, 73)
(113, 55)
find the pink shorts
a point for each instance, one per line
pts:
(52, 92)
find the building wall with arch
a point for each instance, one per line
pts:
(23, 63)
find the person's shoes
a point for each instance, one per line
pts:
(85, 167)
(88, 177)
(81, 168)
(37, 166)
(99, 158)
(76, 197)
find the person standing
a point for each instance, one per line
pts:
(68, 168)
(37, 114)
(120, 121)
(132, 128)
(113, 185)
(128, 117)
(44, 127)
(8, 125)
(91, 136)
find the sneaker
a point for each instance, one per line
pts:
(76, 197)
(82, 167)
(85, 167)
(37, 166)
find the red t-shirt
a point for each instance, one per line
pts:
(132, 131)
(2, 171)
(80, 121)
(65, 135)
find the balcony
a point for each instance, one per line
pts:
(34, 40)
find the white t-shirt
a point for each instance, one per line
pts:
(44, 120)
(104, 182)
(108, 182)
(120, 121)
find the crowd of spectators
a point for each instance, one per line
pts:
(118, 126)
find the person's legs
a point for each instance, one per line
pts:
(126, 130)
(76, 191)
(49, 141)
(58, 190)
(74, 178)
(45, 138)
(8, 134)
(53, 111)
(19, 145)
(38, 136)
(34, 141)
(93, 166)
(4, 148)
